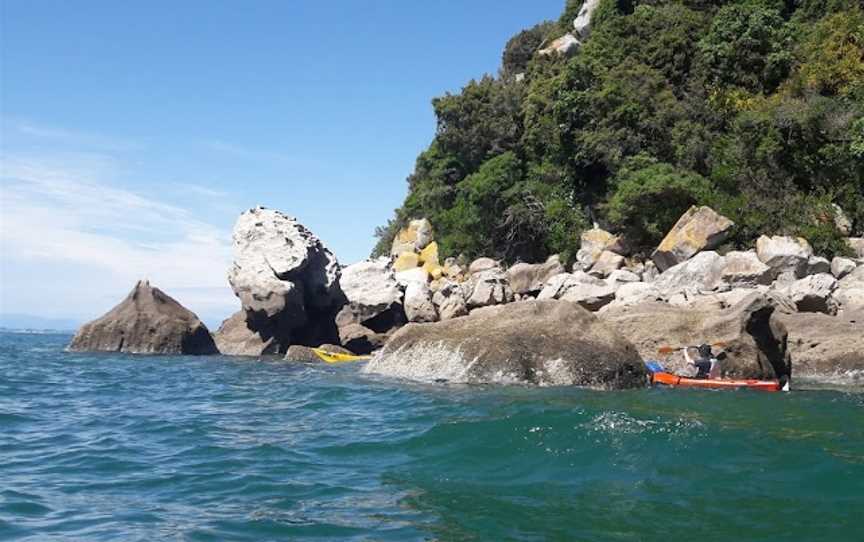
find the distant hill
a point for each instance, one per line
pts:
(19, 322)
(753, 107)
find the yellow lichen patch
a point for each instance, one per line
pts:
(429, 255)
(406, 261)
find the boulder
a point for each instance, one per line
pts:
(526, 278)
(622, 276)
(236, 337)
(360, 339)
(606, 263)
(148, 321)
(744, 269)
(817, 265)
(482, 264)
(849, 294)
(412, 238)
(566, 45)
(840, 267)
(857, 246)
(594, 242)
(417, 274)
(418, 303)
(701, 273)
(825, 346)
(494, 345)
(305, 354)
(450, 301)
(286, 279)
(813, 293)
(582, 22)
(632, 293)
(558, 285)
(754, 340)
(650, 273)
(590, 296)
(700, 228)
(374, 299)
(489, 288)
(784, 254)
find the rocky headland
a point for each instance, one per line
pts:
(777, 309)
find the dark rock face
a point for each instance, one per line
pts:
(825, 346)
(529, 342)
(236, 337)
(754, 339)
(148, 321)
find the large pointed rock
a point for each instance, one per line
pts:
(286, 279)
(563, 345)
(148, 321)
(700, 228)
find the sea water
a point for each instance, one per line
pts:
(122, 447)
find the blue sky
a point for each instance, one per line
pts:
(132, 134)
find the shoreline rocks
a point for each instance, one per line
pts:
(563, 345)
(147, 321)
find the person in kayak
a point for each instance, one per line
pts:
(707, 365)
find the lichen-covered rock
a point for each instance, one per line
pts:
(494, 345)
(784, 254)
(406, 261)
(148, 321)
(490, 287)
(593, 243)
(528, 278)
(700, 228)
(412, 238)
(744, 269)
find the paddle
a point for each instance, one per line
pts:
(670, 349)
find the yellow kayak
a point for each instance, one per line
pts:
(332, 357)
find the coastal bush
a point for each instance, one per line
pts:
(755, 107)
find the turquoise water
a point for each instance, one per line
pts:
(115, 447)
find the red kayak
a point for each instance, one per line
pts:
(659, 376)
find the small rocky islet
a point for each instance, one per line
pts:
(774, 308)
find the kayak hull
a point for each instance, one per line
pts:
(670, 379)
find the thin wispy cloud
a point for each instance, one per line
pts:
(76, 138)
(62, 220)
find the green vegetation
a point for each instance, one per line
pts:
(755, 107)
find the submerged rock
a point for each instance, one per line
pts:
(529, 342)
(148, 321)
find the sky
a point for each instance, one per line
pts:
(132, 134)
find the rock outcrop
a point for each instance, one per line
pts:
(754, 341)
(826, 346)
(373, 302)
(564, 345)
(286, 279)
(595, 242)
(450, 300)
(784, 254)
(148, 321)
(235, 337)
(700, 228)
(582, 22)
